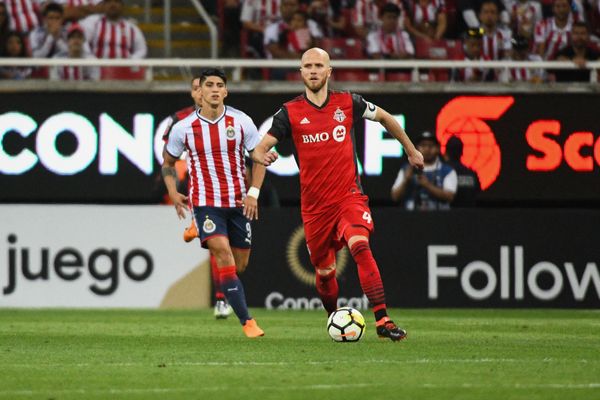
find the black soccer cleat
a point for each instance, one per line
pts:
(388, 329)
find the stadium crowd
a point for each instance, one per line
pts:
(527, 30)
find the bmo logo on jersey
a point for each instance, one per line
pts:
(338, 134)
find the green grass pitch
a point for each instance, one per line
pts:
(449, 354)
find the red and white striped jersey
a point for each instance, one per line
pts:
(495, 45)
(525, 15)
(22, 15)
(261, 12)
(69, 73)
(113, 39)
(77, 3)
(554, 38)
(215, 155)
(398, 42)
(523, 74)
(420, 14)
(366, 13)
(296, 41)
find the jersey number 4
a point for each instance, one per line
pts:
(367, 217)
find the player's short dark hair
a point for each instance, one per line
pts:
(212, 72)
(53, 7)
(390, 8)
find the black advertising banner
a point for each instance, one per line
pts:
(466, 258)
(532, 149)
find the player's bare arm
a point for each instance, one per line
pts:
(415, 158)
(262, 152)
(250, 202)
(169, 175)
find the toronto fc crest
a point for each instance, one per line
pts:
(339, 115)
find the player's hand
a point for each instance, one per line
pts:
(250, 207)
(270, 158)
(416, 159)
(181, 204)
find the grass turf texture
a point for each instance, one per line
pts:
(449, 354)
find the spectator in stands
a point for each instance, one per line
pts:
(22, 15)
(472, 44)
(15, 47)
(255, 16)
(231, 28)
(434, 187)
(75, 10)
(468, 11)
(329, 16)
(293, 34)
(390, 41)
(112, 36)
(496, 40)
(580, 52)
(51, 37)
(554, 33)
(426, 19)
(468, 186)
(521, 52)
(364, 16)
(289, 37)
(4, 26)
(76, 49)
(524, 15)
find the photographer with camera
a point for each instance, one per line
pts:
(432, 188)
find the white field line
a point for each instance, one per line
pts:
(288, 363)
(287, 388)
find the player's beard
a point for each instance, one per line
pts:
(315, 86)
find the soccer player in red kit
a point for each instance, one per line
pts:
(335, 212)
(215, 136)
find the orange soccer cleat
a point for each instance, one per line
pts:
(190, 233)
(252, 330)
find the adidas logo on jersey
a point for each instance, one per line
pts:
(304, 121)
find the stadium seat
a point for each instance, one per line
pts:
(398, 76)
(353, 75)
(122, 73)
(343, 48)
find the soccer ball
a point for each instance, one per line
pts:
(346, 325)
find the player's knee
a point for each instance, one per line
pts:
(224, 256)
(359, 246)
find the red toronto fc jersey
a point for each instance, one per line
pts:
(325, 146)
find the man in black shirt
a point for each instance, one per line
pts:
(579, 52)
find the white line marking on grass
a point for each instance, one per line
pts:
(308, 362)
(526, 386)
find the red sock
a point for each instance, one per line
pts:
(216, 279)
(370, 279)
(327, 287)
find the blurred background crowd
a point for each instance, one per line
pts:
(282, 29)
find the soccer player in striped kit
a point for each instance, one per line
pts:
(334, 209)
(222, 309)
(215, 138)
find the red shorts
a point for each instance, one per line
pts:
(325, 232)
